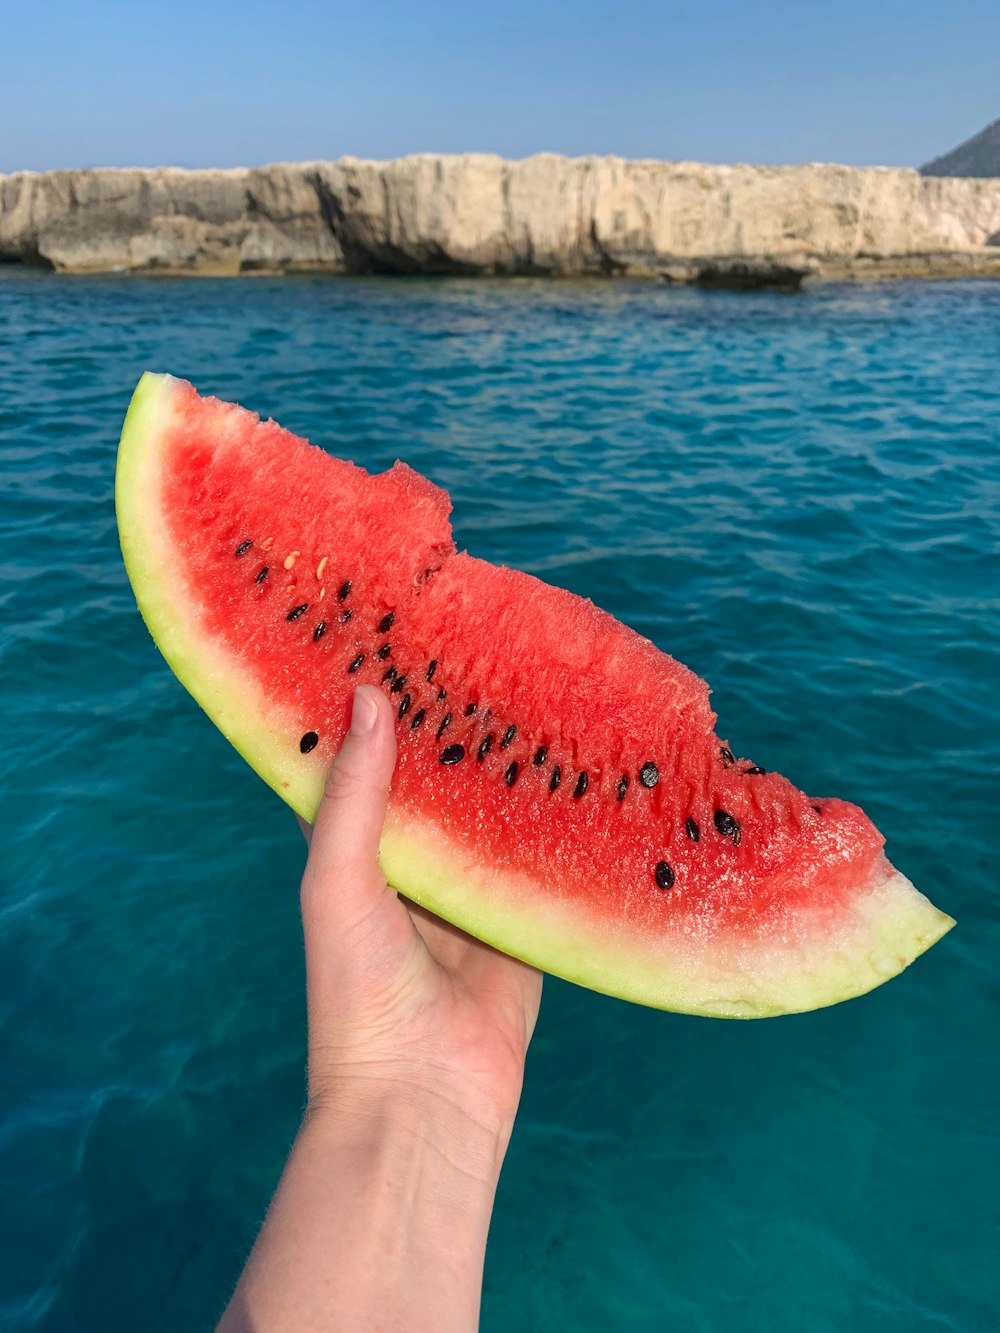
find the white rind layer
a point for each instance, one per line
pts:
(226, 689)
(888, 923)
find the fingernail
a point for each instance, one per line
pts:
(364, 711)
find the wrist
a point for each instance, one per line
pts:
(380, 1218)
(436, 1128)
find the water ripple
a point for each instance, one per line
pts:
(797, 497)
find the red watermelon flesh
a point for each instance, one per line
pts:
(560, 789)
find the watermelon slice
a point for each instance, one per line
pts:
(560, 791)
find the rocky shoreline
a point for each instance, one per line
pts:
(475, 214)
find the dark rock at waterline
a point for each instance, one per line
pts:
(742, 275)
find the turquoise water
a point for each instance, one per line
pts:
(799, 497)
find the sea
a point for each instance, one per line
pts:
(799, 497)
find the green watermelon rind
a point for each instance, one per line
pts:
(888, 925)
(205, 669)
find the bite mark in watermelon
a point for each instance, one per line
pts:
(560, 790)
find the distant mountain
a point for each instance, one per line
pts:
(978, 156)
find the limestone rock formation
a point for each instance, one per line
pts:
(480, 214)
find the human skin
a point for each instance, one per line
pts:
(417, 1039)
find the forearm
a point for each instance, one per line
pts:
(379, 1222)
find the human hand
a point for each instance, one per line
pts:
(398, 999)
(417, 1038)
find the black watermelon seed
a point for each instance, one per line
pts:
(344, 591)
(484, 746)
(243, 547)
(541, 754)
(319, 631)
(747, 772)
(384, 651)
(510, 777)
(404, 706)
(442, 694)
(556, 776)
(469, 709)
(649, 774)
(622, 787)
(817, 809)
(691, 829)
(454, 754)
(347, 615)
(444, 722)
(664, 876)
(418, 718)
(582, 783)
(262, 575)
(297, 611)
(309, 742)
(389, 674)
(726, 755)
(355, 664)
(398, 684)
(431, 668)
(385, 624)
(508, 736)
(727, 825)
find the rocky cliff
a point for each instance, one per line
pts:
(481, 214)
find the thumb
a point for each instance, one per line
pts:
(348, 911)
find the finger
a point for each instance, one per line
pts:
(359, 939)
(306, 828)
(344, 895)
(488, 971)
(485, 970)
(449, 945)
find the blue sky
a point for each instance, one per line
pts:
(223, 84)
